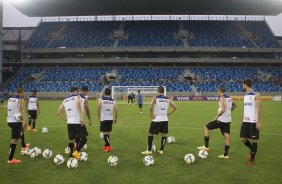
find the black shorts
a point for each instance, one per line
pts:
(106, 126)
(2, 101)
(140, 105)
(159, 127)
(32, 114)
(224, 127)
(16, 130)
(76, 130)
(249, 131)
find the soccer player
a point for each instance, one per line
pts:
(84, 105)
(2, 98)
(74, 118)
(133, 98)
(15, 105)
(129, 98)
(32, 106)
(107, 109)
(251, 125)
(140, 101)
(222, 121)
(159, 110)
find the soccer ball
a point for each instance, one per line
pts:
(25, 152)
(47, 153)
(32, 153)
(83, 156)
(38, 151)
(203, 154)
(44, 130)
(101, 135)
(18, 116)
(59, 159)
(153, 149)
(148, 160)
(189, 158)
(72, 163)
(113, 160)
(84, 148)
(67, 150)
(170, 140)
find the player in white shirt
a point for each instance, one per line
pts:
(222, 121)
(15, 106)
(32, 107)
(159, 109)
(72, 106)
(251, 125)
(107, 114)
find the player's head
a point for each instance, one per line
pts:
(139, 91)
(20, 91)
(161, 90)
(247, 84)
(73, 90)
(84, 90)
(107, 92)
(34, 93)
(221, 89)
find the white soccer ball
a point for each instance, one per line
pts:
(84, 148)
(113, 160)
(170, 140)
(72, 163)
(32, 153)
(153, 149)
(18, 116)
(67, 150)
(148, 160)
(101, 135)
(189, 158)
(47, 153)
(59, 159)
(44, 130)
(38, 151)
(25, 152)
(83, 156)
(203, 154)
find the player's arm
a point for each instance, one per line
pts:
(152, 107)
(21, 110)
(37, 104)
(116, 113)
(86, 106)
(26, 104)
(99, 109)
(222, 102)
(258, 106)
(61, 111)
(233, 106)
(172, 109)
(78, 104)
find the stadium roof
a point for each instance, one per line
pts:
(45, 8)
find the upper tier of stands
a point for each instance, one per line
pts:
(223, 34)
(207, 79)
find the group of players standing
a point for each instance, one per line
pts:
(72, 108)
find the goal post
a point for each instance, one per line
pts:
(120, 93)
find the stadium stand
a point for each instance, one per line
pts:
(208, 79)
(223, 34)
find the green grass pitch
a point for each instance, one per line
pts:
(129, 138)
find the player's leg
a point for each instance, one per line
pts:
(140, 108)
(106, 128)
(225, 131)
(29, 121)
(154, 129)
(16, 134)
(34, 116)
(244, 135)
(209, 126)
(24, 145)
(77, 140)
(71, 133)
(255, 137)
(164, 131)
(82, 132)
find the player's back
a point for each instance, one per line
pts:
(32, 103)
(107, 108)
(70, 104)
(161, 108)
(13, 108)
(140, 99)
(226, 116)
(250, 111)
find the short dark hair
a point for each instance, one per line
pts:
(84, 88)
(221, 89)
(161, 89)
(248, 82)
(73, 89)
(19, 90)
(138, 91)
(108, 91)
(34, 91)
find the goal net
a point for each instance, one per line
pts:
(120, 93)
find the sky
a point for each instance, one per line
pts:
(14, 18)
